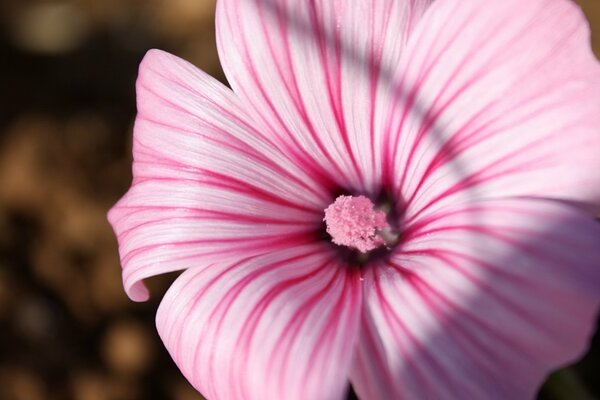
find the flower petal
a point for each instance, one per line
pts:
(317, 72)
(482, 302)
(496, 98)
(280, 326)
(206, 183)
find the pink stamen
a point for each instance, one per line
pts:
(352, 221)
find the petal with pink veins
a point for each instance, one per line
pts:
(317, 73)
(207, 186)
(279, 326)
(482, 301)
(495, 99)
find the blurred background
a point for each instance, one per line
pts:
(67, 103)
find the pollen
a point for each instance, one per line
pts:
(352, 221)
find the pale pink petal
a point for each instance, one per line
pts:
(207, 186)
(279, 326)
(188, 120)
(496, 98)
(317, 73)
(481, 302)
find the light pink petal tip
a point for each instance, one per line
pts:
(207, 186)
(317, 73)
(483, 302)
(496, 99)
(280, 326)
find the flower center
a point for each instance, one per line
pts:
(352, 221)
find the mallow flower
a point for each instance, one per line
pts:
(394, 194)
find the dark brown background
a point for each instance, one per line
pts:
(67, 72)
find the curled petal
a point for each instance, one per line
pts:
(280, 326)
(165, 226)
(483, 301)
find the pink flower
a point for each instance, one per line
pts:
(465, 137)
